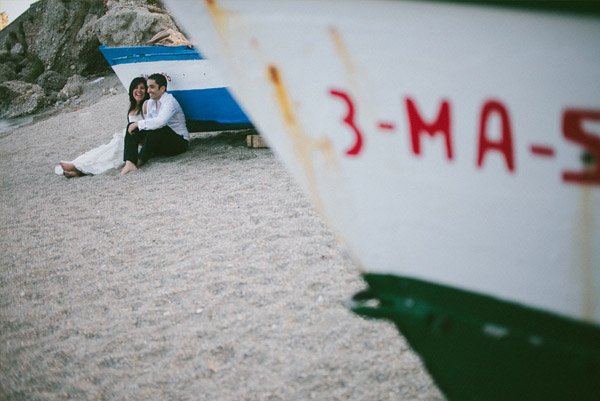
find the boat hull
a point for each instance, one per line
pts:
(438, 144)
(192, 79)
(477, 347)
(449, 146)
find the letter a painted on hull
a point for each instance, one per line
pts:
(505, 144)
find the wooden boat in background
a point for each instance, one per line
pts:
(194, 81)
(454, 148)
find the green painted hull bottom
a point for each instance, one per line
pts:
(480, 348)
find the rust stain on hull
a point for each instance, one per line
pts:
(342, 50)
(216, 11)
(304, 146)
(219, 16)
(356, 80)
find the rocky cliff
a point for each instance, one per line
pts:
(56, 41)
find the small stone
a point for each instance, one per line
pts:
(17, 49)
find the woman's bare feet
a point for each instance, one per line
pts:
(69, 170)
(129, 167)
(67, 166)
(71, 174)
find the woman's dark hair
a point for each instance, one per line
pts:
(132, 102)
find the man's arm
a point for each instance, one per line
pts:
(167, 110)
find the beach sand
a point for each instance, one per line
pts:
(206, 276)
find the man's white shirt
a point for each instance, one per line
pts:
(164, 111)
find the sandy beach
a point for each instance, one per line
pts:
(206, 276)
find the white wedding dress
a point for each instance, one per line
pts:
(104, 157)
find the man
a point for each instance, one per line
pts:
(162, 131)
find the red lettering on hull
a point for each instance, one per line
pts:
(573, 131)
(541, 150)
(501, 143)
(441, 126)
(349, 120)
(505, 144)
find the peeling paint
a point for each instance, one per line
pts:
(494, 330)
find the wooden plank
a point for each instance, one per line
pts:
(256, 141)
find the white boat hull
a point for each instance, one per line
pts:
(495, 199)
(455, 149)
(196, 82)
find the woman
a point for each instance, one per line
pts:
(109, 155)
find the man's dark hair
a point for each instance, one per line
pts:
(159, 79)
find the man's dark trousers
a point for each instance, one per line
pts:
(158, 142)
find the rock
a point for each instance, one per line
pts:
(50, 31)
(73, 87)
(55, 35)
(51, 81)
(130, 25)
(30, 68)
(65, 35)
(7, 72)
(17, 49)
(7, 57)
(19, 98)
(55, 39)
(51, 98)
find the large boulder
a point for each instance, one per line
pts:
(19, 98)
(55, 39)
(131, 24)
(48, 31)
(64, 35)
(51, 81)
(73, 87)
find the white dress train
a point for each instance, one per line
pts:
(104, 157)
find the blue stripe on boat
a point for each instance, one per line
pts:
(215, 104)
(210, 105)
(140, 54)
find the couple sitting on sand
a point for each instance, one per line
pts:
(156, 123)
